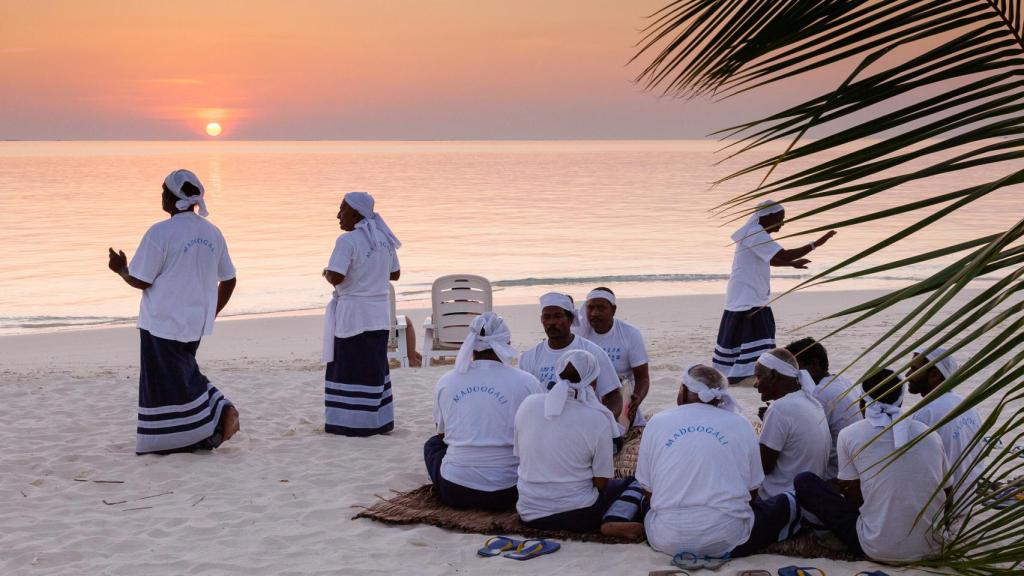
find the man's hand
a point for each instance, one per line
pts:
(118, 261)
(634, 405)
(801, 263)
(761, 411)
(825, 238)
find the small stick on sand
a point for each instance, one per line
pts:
(113, 503)
(155, 495)
(23, 493)
(98, 481)
(201, 498)
(139, 508)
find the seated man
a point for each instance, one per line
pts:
(564, 443)
(877, 510)
(795, 436)
(470, 461)
(841, 409)
(625, 348)
(700, 468)
(956, 435)
(557, 316)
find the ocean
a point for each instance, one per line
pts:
(530, 216)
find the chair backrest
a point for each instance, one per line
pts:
(392, 335)
(456, 300)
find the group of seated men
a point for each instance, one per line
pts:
(540, 439)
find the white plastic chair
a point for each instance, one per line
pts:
(456, 300)
(397, 347)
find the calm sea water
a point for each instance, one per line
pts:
(527, 215)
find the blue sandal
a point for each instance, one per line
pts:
(690, 561)
(497, 545)
(533, 548)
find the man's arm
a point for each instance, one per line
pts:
(333, 277)
(600, 483)
(794, 257)
(641, 385)
(613, 401)
(224, 291)
(118, 263)
(395, 275)
(769, 458)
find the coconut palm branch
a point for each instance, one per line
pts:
(944, 82)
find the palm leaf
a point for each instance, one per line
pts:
(945, 81)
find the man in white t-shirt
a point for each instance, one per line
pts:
(958, 434)
(564, 443)
(697, 477)
(558, 317)
(888, 509)
(795, 436)
(748, 326)
(470, 460)
(624, 345)
(830, 389)
(357, 393)
(186, 276)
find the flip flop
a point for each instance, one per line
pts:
(496, 545)
(1004, 498)
(533, 548)
(801, 571)
(690, 561)
(871, 573)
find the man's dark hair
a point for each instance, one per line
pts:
(809, 350)
(189, 189)
(570, 315)
(887, 393)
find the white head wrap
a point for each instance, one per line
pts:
(946, 366)
(174, 182)
(372, 223)
(708, 394)
(564, 302)
(588, 368)
(583, 323)
(496, 336)
(881, 415)
(752, 225)
(807, 384)
(594, 294)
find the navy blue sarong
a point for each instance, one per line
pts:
(357, 392)
(179, 410)
(742, 337)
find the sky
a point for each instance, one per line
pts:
(339, 70)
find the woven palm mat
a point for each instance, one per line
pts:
(420, 506)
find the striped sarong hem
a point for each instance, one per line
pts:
(742, 337)
(357, 388)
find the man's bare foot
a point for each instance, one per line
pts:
(415, 360)
(229, 423)
(628, 530)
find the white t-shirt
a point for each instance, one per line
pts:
(476, 412)
(363, 300)
(797, 428)
(541, 361)
(560, 457)
(750, 280)
(184, 258)
(841, 412)
(956, 436)
(896, 492)
(625, 347)
(700, 464)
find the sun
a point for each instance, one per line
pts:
(213, 129)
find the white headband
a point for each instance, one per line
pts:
(175, 180)
(372, 223)
(601, 294)
(589, 369)
(752, 225)
(557, 299)
(708, 394)
(496, 337)
(768, 360)
(947, 366)
(880, 415)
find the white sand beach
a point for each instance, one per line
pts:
(279, 497)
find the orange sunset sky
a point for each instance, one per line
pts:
(318, 69)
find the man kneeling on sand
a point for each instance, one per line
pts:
(886, 508)
(564, 443)
(470, 461)
(697, 477)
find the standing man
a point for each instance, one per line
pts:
(625, 348)
(748, 326)
(829, 389)
(958, 434)
(186, 276)
(357, 396)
